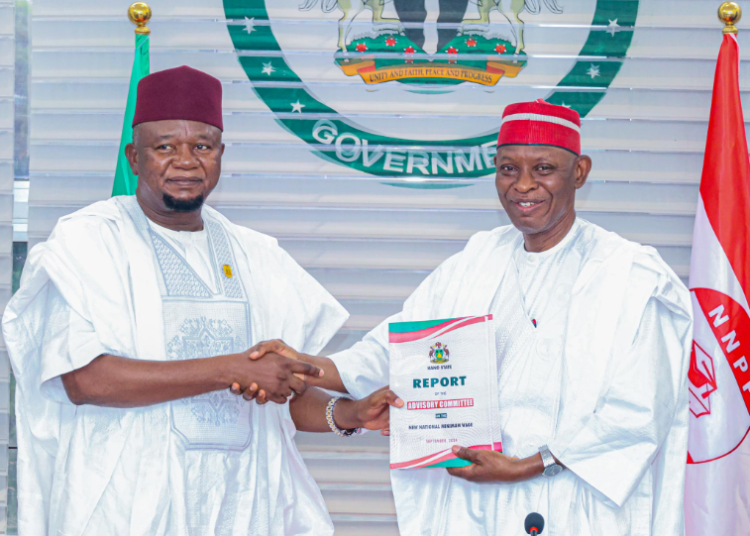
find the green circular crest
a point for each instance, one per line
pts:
(393, 56)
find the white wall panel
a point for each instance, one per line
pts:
(371, 239)
(7, 63)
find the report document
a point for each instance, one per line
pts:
(445, 371)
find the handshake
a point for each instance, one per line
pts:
(272, 371)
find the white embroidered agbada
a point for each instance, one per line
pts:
(109, 281)
(601, 380)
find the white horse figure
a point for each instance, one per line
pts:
(514, 8)
(351, 9)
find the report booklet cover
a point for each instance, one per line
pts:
(445, 371)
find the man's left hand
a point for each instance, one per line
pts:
(491, 466)
(371, 412)
(374, 411)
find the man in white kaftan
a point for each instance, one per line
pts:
(593, 340)
(613, 411)
(162, 320)
(179, 465)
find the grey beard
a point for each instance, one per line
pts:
(178, 205)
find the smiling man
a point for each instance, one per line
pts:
(593, 343)
(132, 323)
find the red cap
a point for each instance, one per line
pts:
(179, 93)
(541, 123)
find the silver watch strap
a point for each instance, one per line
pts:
(547, 457)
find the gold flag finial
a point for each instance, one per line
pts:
(730, 14)
(139, 14)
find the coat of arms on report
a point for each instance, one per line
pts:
(439, 353)
(476, 41)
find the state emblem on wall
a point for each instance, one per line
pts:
(365, 83)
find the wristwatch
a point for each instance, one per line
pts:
(551, 468)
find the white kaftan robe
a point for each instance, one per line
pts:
(110, 281)
(601, 380)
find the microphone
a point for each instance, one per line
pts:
(534, 524)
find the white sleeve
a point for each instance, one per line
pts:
(364, 367)
(612, 448)
(69, 343)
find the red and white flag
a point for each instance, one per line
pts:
(717, 495)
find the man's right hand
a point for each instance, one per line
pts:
(263, 350)
(275, 347)
(278, 377)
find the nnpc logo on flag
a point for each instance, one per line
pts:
(719, 377)
(385, 51)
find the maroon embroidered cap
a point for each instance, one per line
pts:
(179, 93)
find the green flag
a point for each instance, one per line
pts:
(125, 181)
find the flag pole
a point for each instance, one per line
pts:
(730, 13)
(139, 13)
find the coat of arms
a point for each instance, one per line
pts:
(439, 353)
(460, 49)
